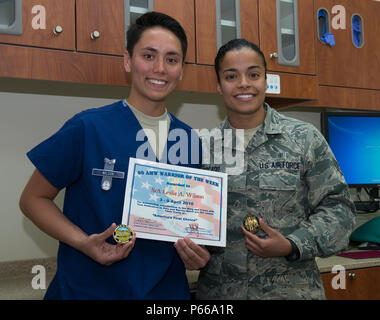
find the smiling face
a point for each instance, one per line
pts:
(243, 85)
(156, 68)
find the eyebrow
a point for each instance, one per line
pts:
(234, 70)
(151, 49)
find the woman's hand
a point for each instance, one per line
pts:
(96, 247)
(193, 256)
(274, 245)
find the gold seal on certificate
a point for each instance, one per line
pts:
(122, 233)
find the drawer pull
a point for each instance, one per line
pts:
(95, 35)
(273, 55)
(57, 30)
(352, 276)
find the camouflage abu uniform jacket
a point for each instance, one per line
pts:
(292, 180)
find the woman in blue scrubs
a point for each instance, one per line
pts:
(89, 264)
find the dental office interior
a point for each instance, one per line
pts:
(58, 58)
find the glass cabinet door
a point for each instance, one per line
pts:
(287, 32)
(134, 9)
(227, 21)
(11, 16)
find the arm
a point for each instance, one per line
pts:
(331, 217)
(37, 203)
(332, 213)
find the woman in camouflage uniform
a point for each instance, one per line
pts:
(290, 181)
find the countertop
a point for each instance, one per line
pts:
(326, 264)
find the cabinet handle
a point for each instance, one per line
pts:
(273, 55)
(95, 35)
(57, 30)
(352, 276)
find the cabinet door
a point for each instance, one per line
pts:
(183, 12)
(47, 24)
(269, 39)
(345, 64)
(206, 27)
(100, 26)
(361, 284)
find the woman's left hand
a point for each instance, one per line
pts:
(274, 245)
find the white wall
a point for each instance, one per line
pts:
(25, 120)
(28, 118)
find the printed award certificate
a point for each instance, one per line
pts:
(167, 202)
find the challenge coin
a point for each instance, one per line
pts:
(251, 223)
(122, 233)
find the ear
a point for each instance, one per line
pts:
(266, 80)
(180, 77)
(219, 88)
(127, 61)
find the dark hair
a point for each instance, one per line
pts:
(155, 19)
(236, 44)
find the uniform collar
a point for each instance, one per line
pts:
(132, 120)
(271, 126)
(272, 121)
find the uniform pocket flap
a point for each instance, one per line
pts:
(278, 180)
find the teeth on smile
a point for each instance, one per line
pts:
(157, 81)
(245, 96)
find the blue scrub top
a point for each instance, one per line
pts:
(153, 269)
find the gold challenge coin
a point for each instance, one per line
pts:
(251, 223)
(122, 233)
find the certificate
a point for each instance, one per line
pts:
(167, 202)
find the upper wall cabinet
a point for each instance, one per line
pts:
(102, 25)
(218, 21)
(354, 60)
(347, 54)
(39, 23)
(287, 35)
(323, 51)
(183, 12)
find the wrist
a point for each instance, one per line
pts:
(80, 242)
(289, 248)
(294, 253)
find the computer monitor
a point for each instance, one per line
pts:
(354, 138)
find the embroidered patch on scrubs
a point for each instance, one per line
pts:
(108, 174)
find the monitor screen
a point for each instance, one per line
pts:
(355, 141)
